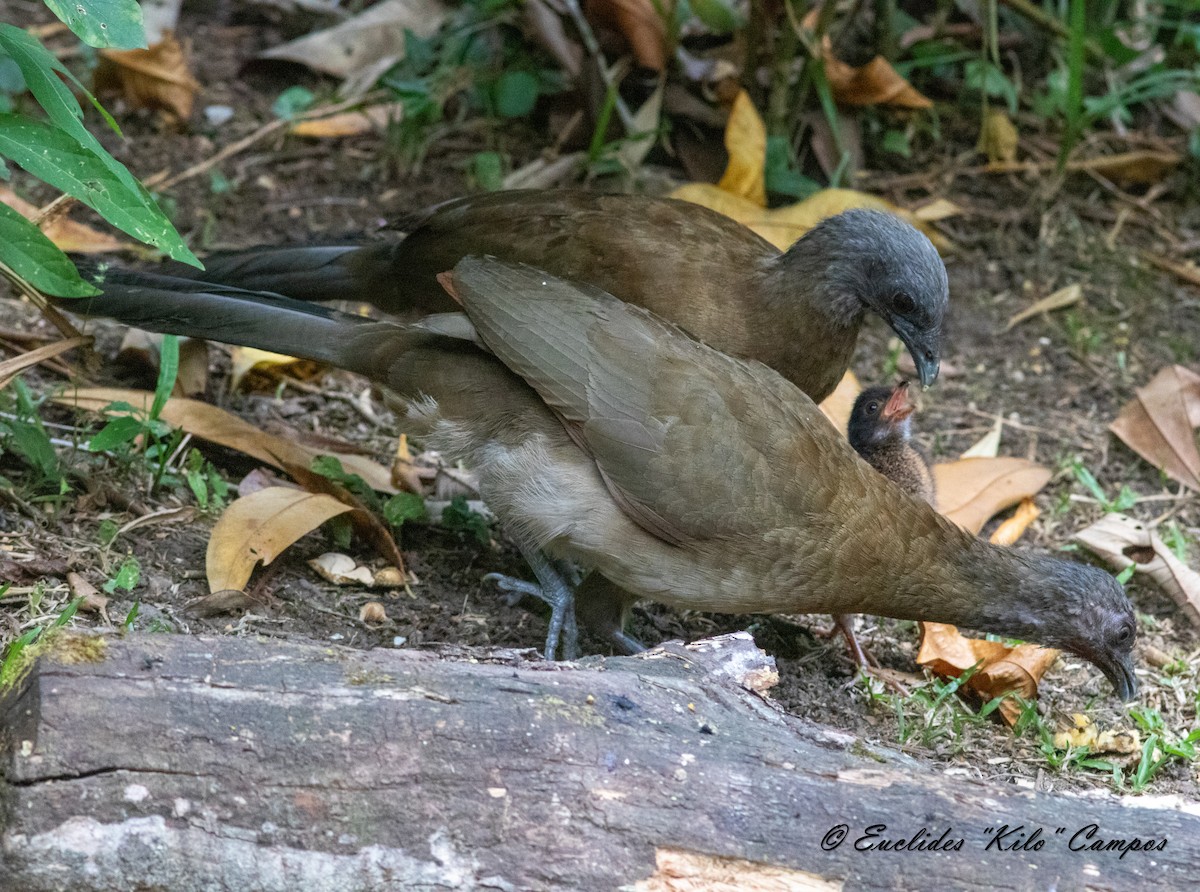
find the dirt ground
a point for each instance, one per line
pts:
(1057, 381)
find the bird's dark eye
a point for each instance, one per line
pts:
(1125, 635)
(872, 408)
(902, 303)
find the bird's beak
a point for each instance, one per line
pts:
(926, 353)
(899, 406)
(1119, 670)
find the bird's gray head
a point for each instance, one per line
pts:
(1071, 606)
(874, 259)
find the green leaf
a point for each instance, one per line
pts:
(30, 442)
(717, 15)
(36, 259)
(127, 576)
(104, 24)
(515, 94)
(49, 153)
(168, 368)
(404, 506)
(292, 102)
(488, 171)
(458, 516)
(116, 433)
(987, 78)
(780, 173)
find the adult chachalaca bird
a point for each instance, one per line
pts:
(880, 430)
(798, 311)
(606, 437)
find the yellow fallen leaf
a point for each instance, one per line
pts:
(1014, 527)
(226, 429)
(1121, 742)
(970, 491)
(838, 405)
(10, 368)
(1125, 542)
(746, 142)
(938, 209)
(1159, 424)
(243, 360)
(156, 77)
(1060, 299)
(352, 123)
(998, 137)
(258, 527)
(876, 83)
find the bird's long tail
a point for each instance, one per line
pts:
(247, 318)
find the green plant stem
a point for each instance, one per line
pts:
(885, 35)
(780, 95)
(1077, 11)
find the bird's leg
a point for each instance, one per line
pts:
(867, 664)
(557, 581)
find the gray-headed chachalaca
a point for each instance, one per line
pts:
(798, 311)
(606, 437)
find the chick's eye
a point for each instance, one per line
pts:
(902, 302)
(872, 408)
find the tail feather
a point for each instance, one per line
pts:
(313, 273)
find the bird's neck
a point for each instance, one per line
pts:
(815, 325)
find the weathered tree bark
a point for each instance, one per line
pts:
(183, 763)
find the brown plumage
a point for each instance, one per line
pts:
(798, 311)
(606, 437)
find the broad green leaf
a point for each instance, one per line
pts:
(36, 259)
(39, 68)
(516, 92)
(116, 433)
(717, 15)
(104, 24)
(52, 155)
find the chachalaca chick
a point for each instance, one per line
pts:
(798, 311)
(606, 437)
(880, 430)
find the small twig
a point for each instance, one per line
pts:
(593, 47)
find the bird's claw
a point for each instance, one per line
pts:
(557, 593)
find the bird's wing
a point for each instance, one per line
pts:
(688, 440)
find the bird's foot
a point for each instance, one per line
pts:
(555, 590)
(866, 662)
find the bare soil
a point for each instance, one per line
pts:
(1058, 381)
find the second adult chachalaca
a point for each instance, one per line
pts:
(798, 311)
(606, 437)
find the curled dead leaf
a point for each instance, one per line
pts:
(998, 138)
(156, 77)
(1159, 424)
(93, 601)
(639, 22)
(341, 569)
(876, 83)
(373, 119)
(258, 527)
(1060, 299)
(746, 142)
(1125, 542)
(372, 612)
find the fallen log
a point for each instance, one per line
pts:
(194, 763)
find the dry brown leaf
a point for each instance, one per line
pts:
(156, 77)
(361, 48)
(972, 490)
(876, 83)
(258, 527)
(75, 238)
(93, 601)
(638, 22)
(947, 652)
(938, 209)
(341, 569)
(838, 405)
(1143, 167)
(221, 602)
(1189, 272)
(372, 612)
(998, 137)
(1159, 424)
(1060, 299)
(352, 123)
(218, 426)
(746, 142)
(141, 349)
(10, 368)
(1123, 542)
